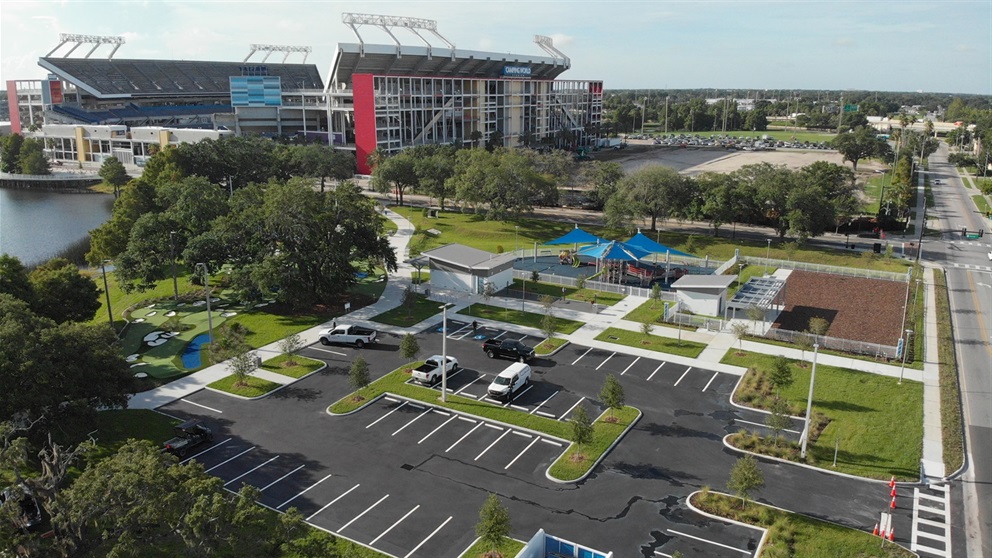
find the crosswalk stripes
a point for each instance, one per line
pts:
(972, 266)
(931, 521)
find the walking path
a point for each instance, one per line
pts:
(594, 324)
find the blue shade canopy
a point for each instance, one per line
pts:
(641, 241)
(578, 236)
(614, 250)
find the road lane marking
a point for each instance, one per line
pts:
(217, 445)
(562, 417)
(721, 545)
(474, 428)
(327, 505)
(305, 490)
(367, 510)
(605, 361)
(387, 414)
(415, 419)
(517, 396)
(416, 548)
(470, 383)
(715, 374)
(683, 375)
(436, 429)
(328, 351)
(231, 459)
(521, 453)
(541, 404)
(582, 355)
(628, 366)
(655, 371)
(503, 435)
(398, 521)
(281, 478)
(251, 471)
(203, 406)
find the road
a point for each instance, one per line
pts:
(969, 283)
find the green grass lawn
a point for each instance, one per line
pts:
(878, 423)
(571, 293)
(408, 315)
(298, 367)
(651, 342)
(577, 460)
(951, 427)
(915, 364)
(873, 191)
(746, 274)
(254, 387)
(792, 534)
(549, 346)
(981, 203)
(395, 383)
(509, 549)
(529, 319)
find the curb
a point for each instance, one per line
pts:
(556, 351)
(270, 392)
(602, 456)
(764, 532)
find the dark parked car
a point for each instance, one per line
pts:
(188, 435)
(513, 350)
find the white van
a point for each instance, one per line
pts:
(509, 381)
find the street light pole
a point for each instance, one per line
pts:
(666, 115)
(905, 349)
(643, 106)
(516, 246)
(444, 353)
(175, 284)
(809, 402)
(106, 291)
(206, 285)
(768, 253)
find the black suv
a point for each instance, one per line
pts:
(514, 350)
(188, 435)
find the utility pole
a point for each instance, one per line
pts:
(666, 114)
(840, 117)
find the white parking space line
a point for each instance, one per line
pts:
(231, 459)
(765, 425)
(466, 419)
(328, 351)
(219, 444)
(386, 415)
(522, 338)
(398, 521)
(519, 408)
(501, 335)
(442, 413)
(417, 407)
(543, 414)
(562, 417)
(656, 553)
(469, 395)
(517, 396)
(521, 453)
(391, 399)
(655, 371)
(522, 434)
(683, 375)
(493, 401)
(413, 420)
(715, 374)
(367, 510)
(423, 542)
(202, 406)
(281, 478)
(470, 383)
(329, 504)
(503, 435)
(541, 404)
(552, 442)
(251, 470)
(721, 545)
(462, 336)
(436, 429)
(305, 490)
(494, 427)
(474, 428)
(629, 365)
(582, 355)
(605, 361)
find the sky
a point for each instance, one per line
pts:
(876, 45)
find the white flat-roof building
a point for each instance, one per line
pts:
(704, 294)
(461, 268)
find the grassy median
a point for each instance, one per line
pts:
(294, 367)
(577, 460)
(519, 317)
(651, 342)
(952, 433)
(509, 548)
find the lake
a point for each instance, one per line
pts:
(37, 225)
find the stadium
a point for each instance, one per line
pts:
(376, 96)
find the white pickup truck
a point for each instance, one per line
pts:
(429, 373)
(348, 335)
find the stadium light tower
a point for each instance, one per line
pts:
(80, 40)
(386, 23)
(269, 49)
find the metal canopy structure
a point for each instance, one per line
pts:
(386, 23)
(762, 292)
(547, 44)
(269, 49)
(80, 40)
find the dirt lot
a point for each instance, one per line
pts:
(867, 310)
(695, 160)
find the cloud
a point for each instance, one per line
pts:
(963, 48)
(845, 42)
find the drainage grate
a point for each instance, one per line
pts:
(614, 337)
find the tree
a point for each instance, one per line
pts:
(241, 366)
(14, 279)
(358, 375)
(654, 191)
(549, 325)
(291, 346)
(745, 478)
(755, 313)
(646, 329)
(781, 373)
(818, 326)
(612, 394)
(409, 348)
(860, 143)
(112, 172)
(62, 293)
(805, 343)
(581, 426)
(779, 418)
(739, 329)
(494, 525)
(655, 294)
(10, 153)
(32, 157)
